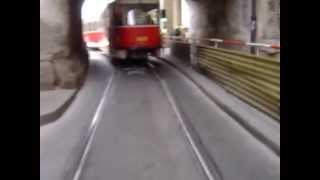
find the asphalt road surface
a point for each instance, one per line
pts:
(139, 136)
(132, 123)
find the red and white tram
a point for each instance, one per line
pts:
(132, 28)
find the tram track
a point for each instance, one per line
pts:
(151, 122)
(193, 143)
(152, 86)
(273, 146)
(92, 129)
(170, 73)
(209, 167)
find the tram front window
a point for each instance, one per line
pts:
(139, 17)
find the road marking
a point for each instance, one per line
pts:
(94, 124)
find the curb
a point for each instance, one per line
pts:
(53, 116)
(275, 147)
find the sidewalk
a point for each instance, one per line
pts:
(53, 103)
(258, 124)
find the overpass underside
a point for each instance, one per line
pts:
(63, 56)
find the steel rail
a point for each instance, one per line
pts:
(206, 165)
(257, 134)
(92, 129)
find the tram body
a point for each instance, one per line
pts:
(132, 28)
(95, 40)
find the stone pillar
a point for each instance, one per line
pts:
(63, 56)
(268, 17)
(230, 19)
(167, 5)
(268, 25)
(199, 18)
(176, 14)
(220, 18)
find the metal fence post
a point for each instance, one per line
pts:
(215, 45)
(257, 51)
(193, 54)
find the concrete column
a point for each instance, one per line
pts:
(268, 18)
(63, 56)
(220, 18)
(176, 14)
(231, 19)
(167, 4)
(268, 25)
(185, 14)
(199, 18)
